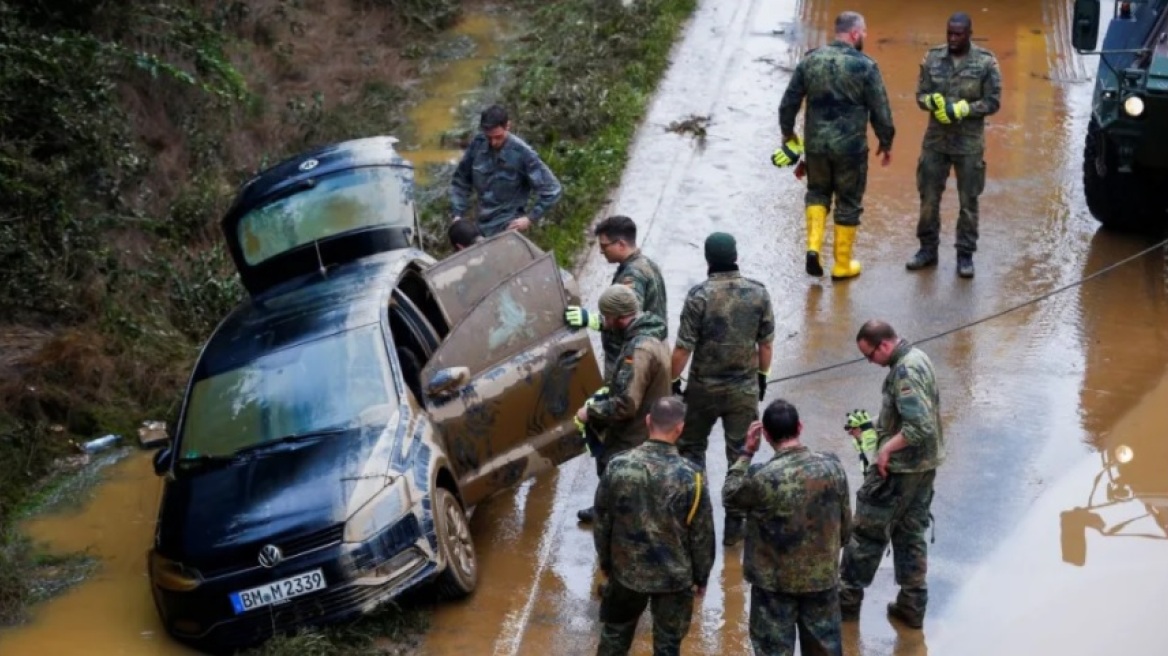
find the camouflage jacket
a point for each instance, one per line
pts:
(504, 180)
(642, 275)
(654, 528)
(798, 517)
(976, 80)
(640, 377)
(844, 91)
(723, 321)
(912, 406)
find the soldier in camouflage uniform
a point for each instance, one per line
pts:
(844, 91)
(959, 86)
(654, 537)
(639, 378)
(617, 238)
(799, 516)
(897, 493)
(728, 326)
(504, 171)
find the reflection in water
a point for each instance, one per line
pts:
(1124, 359)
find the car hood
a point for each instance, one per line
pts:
(216, 518)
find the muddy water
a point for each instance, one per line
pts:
(1027, 397)
(445, 96)
(111, 613)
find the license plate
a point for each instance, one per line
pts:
(277, 591)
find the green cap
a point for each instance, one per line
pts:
(721, 248)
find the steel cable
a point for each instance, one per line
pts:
(1032, 301)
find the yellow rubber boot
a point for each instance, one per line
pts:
(816, 226)
(845, 266)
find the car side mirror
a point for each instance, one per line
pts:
(1085, 25)
(446, 381)
(162, 460)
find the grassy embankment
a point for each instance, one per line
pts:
(126, 128)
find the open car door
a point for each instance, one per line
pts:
(505, 382)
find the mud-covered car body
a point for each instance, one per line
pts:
(339, 424)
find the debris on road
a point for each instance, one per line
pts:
(152, 434)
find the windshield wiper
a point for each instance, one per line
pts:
(259, 447)
(287, 439)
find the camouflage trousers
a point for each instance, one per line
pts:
(897, 509)
(737, 408)
(845, 177)
(621, 609)
(932, 172)
(774, 616)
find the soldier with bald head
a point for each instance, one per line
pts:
(844, 92)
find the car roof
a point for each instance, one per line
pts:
(306, 308)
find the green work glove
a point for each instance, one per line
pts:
(938, 105)
(577, 317)
(788, 153)
(930, 101)
(867, 441)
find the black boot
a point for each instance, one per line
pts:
(586, 516)
(965, 265)
(926, 257)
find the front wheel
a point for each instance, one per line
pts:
(460, 574)
(1124, 202)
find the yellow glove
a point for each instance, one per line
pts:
(788, 153)
(945, 112)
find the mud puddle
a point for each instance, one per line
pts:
(435, 119)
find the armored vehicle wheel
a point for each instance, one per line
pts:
(1125, 202)
(459, 577)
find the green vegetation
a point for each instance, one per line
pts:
(391, 630)
(125, 128)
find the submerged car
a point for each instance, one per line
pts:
(340, 424)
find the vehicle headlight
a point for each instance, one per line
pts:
(1133, 106)
(386, 507)
(172, 575)
(1124, 454)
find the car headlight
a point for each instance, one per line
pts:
(386, 507)
(172, 575)
(1133, 106)
(1124, 454)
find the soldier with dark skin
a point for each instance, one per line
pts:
(895, 500)
(959, 86)
(654, 537)
(504, 172)
(638, 379)
(844, 92)
(728, 327)
(616, 237)
(799, 515)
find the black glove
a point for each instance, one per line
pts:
(762, 383)
(677, 391)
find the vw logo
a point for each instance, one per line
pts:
(270, 556)
(308, 164)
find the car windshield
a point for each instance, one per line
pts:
(334, 382)
(340, 202)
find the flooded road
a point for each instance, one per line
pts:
(1032, 400)
(1027, 397)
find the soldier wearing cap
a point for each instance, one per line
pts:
(727, 325)
(639, 377)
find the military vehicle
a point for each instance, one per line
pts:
(1125, 158)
